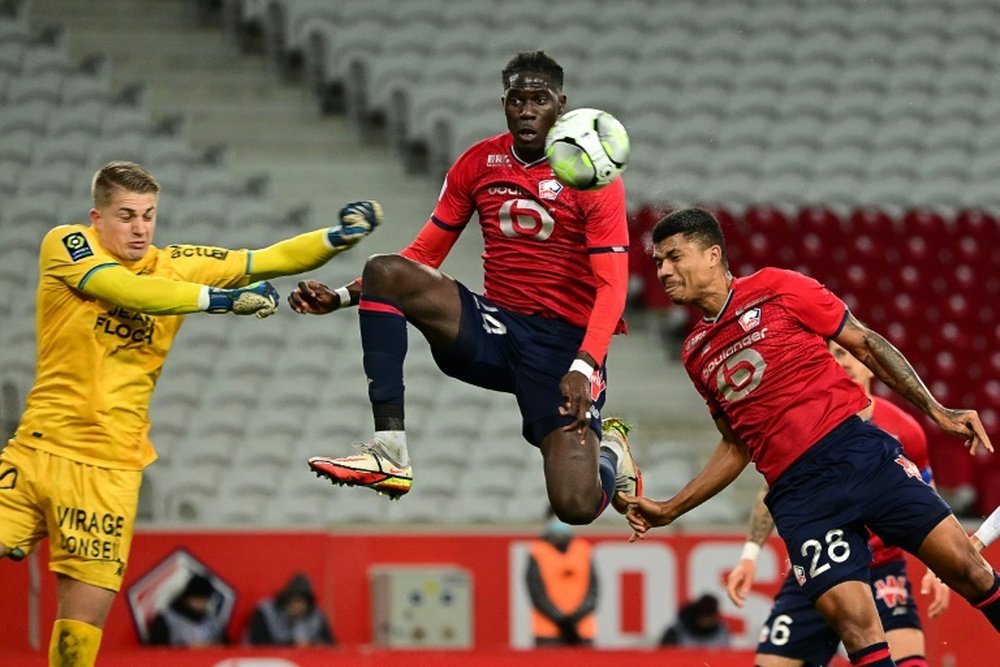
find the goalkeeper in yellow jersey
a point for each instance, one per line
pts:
(109, 304)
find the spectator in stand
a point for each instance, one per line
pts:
(290, 618)
(192, 618)
(699, 624)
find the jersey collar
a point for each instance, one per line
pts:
(725, 304)
(522, 162)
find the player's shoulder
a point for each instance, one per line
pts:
(491, 151)
(62, 231)
(77, 240)
(779, 281)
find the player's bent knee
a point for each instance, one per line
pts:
(574, 511)
(384, 272)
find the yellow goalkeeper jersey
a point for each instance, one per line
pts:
(97, 363)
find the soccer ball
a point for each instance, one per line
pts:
(587, 148)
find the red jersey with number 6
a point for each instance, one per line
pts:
(763, 363)
(537, 233)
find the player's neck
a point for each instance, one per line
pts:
(716, 297)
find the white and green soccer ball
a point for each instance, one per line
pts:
(587, 148)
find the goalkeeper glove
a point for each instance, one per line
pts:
(357, 220)
(260, 299)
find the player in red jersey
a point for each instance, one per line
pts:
(555, 269)
(778, 397)
(795, 634)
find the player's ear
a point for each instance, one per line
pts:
(95, 217)
(562, 103)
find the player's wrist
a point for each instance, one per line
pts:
(751, 550)
(215, 300)
(581, 366)
(344, 295)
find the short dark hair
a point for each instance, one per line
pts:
(534, 61)
(694, 223)
(120, 174)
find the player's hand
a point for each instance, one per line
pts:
(357, 220)
(311, 297)
(740, 580)
(966, 424)
(576, 389)
(260, 299)
(644, 513)
(940, 594)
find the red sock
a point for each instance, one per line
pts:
(876, 655)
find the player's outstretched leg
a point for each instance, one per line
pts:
(371, 467)
(628, 477)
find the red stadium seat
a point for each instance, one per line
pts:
(963, 280)
(917, 249)
(819, 220)
(871, 221)
(856, 278)
(927, 224)
(978, 224)
(758, 248)
(969, 249)
(908, 279)
(865, 248)
(958, 309)
(766, 219)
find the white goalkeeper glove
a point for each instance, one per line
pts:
(357, 220)
(260, 299)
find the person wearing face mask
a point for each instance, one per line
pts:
(563, 587)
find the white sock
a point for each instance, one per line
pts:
(394, 444)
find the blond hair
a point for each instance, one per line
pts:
(120, 174)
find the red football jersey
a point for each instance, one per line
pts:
(538, 234)
(763, 363)
(896, 422)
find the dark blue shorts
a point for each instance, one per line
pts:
(855, 476)
(797, 631)
(519, 354)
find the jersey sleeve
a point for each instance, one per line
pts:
(68, 255)
(816, 307)
(607, 219)
(455, 204)
(208, 265)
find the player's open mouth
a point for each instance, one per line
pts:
(527, 133)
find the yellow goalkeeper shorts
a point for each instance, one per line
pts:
(87, 512)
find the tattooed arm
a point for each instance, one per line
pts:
(741, 578)
(891, 367)
(761, 523)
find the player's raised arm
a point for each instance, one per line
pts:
(313, 249)
(889, 365)
(70, 254)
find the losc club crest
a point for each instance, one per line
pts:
(157, 588)
(549, 189)
(750, 319)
